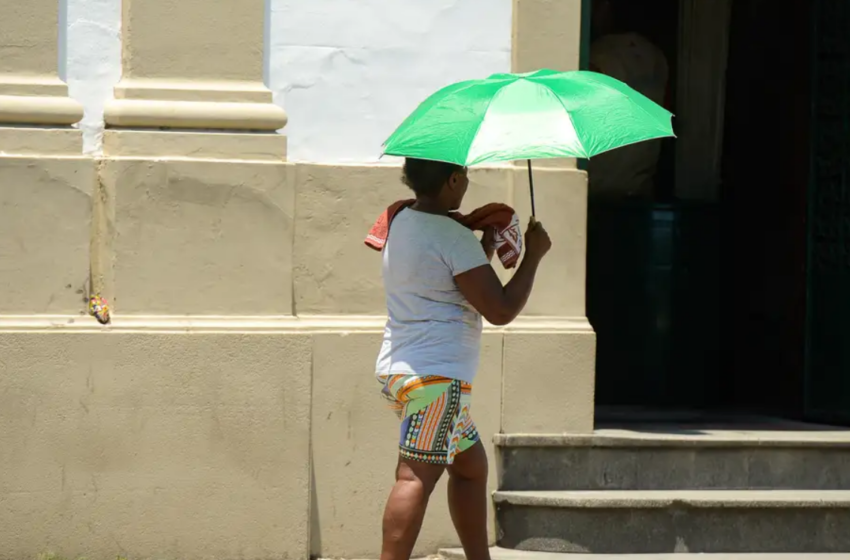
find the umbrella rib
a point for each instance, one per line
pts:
(569, 116)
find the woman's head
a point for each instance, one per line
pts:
(436, 181)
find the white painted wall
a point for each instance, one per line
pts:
(349, 71)
(346, 71)
(93, 60)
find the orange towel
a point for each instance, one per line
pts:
(508, 238)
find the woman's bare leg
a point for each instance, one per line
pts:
(406, 507)
(468, 501)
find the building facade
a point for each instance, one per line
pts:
(229, 409)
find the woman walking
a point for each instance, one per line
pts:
(439, 283)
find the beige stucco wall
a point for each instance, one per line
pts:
(154, 445)
(229, 410)
(243, 430)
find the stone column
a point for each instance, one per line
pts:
(546, 34)
(549, 353)
(193, 234)
(45, 192)
(193, 64)
(196, 210)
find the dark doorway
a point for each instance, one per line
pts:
(765, 180)
(703, 306)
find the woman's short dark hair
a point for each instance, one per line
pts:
(426, 177)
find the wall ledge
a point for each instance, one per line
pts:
(224, 91)
(33, 86)
(171, 145)
(147, 113)
(41, 142)
(39, 110)
(339, 324)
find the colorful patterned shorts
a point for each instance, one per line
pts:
(435, 420)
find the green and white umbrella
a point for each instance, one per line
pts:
(542, 114)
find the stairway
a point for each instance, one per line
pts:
(735, 494)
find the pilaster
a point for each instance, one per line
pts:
(193, 64)
(549, 354)
(45, 194)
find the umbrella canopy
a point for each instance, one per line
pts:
(543, 114)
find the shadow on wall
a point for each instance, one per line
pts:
(315, 521)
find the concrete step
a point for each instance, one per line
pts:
(655, 522)
(723, 460)
(507, 554)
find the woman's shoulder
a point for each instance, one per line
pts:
(452, 234)
(432, 226)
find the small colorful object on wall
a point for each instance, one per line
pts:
(99, 309)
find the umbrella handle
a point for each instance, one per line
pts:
(531, 189)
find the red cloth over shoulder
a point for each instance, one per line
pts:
(501, 217)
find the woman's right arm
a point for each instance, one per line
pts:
(501, 304)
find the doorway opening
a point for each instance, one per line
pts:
(699, 283)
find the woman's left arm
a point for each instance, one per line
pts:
(488, 242)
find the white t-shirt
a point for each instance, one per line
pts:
(431, 329)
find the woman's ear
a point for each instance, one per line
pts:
(456, 179)
(452, 182)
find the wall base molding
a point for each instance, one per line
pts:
(256, 324)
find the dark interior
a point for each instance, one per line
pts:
(766, 175)
(703, 305)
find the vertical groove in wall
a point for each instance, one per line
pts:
(102, 251)
(314, 536)
(292, 178)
